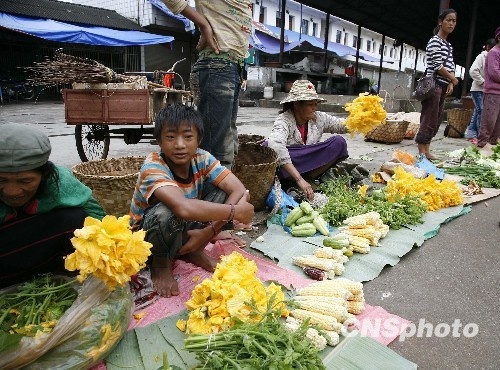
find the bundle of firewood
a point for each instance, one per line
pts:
(66, 68)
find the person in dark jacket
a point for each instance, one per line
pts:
(41, 205)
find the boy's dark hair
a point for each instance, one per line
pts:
(174, 115)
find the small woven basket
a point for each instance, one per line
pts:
(390, 132)
(255, 165)
(412, 130)
(458, 120)
(250, 139)
(112, 181)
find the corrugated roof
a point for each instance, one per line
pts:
(68, 12)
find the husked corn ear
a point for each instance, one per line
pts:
(383, 229)
(317, 340)
(355, 307)
(357, 298)
(351, 320)
(327, 252)
(354, 287)
(368, 232)
(314, 273)
(369, 218)
(338, 269)
(326, 291)
(332, 337)
(359, 244)
(321, 299)
(339, 312)
(324, 264)
(322, 321)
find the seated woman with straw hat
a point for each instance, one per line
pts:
(41, 205)
(296, 136)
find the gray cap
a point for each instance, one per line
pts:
(22, 148)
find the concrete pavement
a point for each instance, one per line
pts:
(453, 276)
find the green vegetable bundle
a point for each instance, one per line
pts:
(265, 344)
(344, 202)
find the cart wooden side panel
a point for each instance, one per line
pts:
(104, 106)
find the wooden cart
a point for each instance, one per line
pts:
(95, 111)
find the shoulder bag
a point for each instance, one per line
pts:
(426, 85)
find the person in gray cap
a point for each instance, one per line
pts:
(41, 205)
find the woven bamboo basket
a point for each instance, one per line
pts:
(112, 181)
(458, 120)
(390, 132)
(255, 165)
(412, 130)
(249, 138)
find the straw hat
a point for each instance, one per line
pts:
(302, 90)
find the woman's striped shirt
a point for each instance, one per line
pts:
(439, 53)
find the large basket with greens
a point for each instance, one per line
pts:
(255, 165)
(112, 181)
(389, 132)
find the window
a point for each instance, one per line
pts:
(305, 27)
(368, 45)
(315, 29)
(346, 37)
(262, 14)
(385, 50)
(278, 19)
(338, 38)
(291, 19)
(391, 53)
(373, 47)
(380, 49)
(355, 41)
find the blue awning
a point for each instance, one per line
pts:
(65, 32)
(268, 44)
(188, 25)
(339, 49)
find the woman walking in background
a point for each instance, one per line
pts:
(440, 63)
(489, 131)
(476, 72)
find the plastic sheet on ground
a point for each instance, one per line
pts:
(147, 338)
(281, 246)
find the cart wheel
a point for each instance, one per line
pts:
(92, 142)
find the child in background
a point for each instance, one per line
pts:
(184, 197)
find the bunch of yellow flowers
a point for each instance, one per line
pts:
(365, 113)
(227, 294)
(109, 250)
(436, 194)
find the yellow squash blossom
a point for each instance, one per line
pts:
(436, 194)
(365, 113)
(226, 295)
(109, 250)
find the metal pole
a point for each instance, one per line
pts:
(468, 57)
(357, 53)
(401, 56)
(381, 61)
(327, 32)
(282, 33)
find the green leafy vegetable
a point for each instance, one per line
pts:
(265, 344)
(344, 202)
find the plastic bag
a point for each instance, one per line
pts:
(403, 157)
(287, 201)
(429, 168)
(82, 337)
